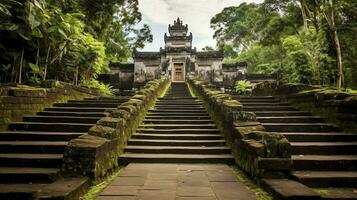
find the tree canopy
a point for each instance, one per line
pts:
(67, 40)
(301, 41)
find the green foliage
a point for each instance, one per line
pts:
(67, 40)
(275, 37)
(243, 87)
(93, 83)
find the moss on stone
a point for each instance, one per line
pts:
(103, 131)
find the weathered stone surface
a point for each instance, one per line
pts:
(178, 181)
(246, 136)
(16, 101)
(103, 131)
(90, 156)
(109, 121)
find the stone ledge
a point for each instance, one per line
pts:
(90, 156)
(256, 151)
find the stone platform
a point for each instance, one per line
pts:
(176, 181)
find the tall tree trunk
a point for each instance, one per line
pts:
(21, 64)
(46, 65)
(340, 82)
(303, 13)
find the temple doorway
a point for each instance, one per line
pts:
(178, 72)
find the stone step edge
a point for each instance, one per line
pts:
(288, 189)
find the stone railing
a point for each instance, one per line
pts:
(336, 106)
(257, 152)
(17, 101)
(97, 153)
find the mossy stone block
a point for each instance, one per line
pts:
(103, 131)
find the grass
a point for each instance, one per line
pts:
(96, 189)
(259, 193)
(323, 192)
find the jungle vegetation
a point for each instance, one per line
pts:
(66, 40)
(301, 41)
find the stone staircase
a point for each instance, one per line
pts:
(177, 130)
(323, 156)
(31, 151)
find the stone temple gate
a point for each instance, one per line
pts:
(177, 60)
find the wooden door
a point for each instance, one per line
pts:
(178, 72)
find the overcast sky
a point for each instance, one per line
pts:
(158, 14)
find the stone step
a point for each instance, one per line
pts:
(168, 117)
(281, 113)
(177, 98)
(180, 101)
(289, 189)
(165, 103)
(303, 127)
(175, 158)
(178, 131)
(179, 114)
(325, 162)
(118, 98)
(321, 179)
(264, 104)
(323, 148)
(177, 150)
(321, 137)
(65, 188)
(291, 119)
(269, 108)
(254, 97)
(333, 193)
(50, 127)
(28, 175)
(176, 126)
(177, 121)
(38, 136)
(177, 136)
(76, 109)
(178, 105)
(61, 119)
(88, 105)
(71, 114)
(19, 191)
(258, 100)
(30, 160)
(160, 108)
(147, 142)
(32, 146)
(93, 101)
(178, 111)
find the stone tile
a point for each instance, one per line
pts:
(156, 195)
(216, 167)
(189, 191)
(113, 190)
(160, 184)
(193, 178)
(196, 198)
(116, 198)
(221, 176)
(128, 181)
(134, 173)
(232, 190)
(162, 176)
(190, 167)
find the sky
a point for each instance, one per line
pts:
(158, 14)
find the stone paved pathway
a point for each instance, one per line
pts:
(176, 182)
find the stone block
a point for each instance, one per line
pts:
(103, 131)
(22, 92)
(90, 156)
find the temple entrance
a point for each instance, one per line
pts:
(178, 73)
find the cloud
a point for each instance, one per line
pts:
(196, 13)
